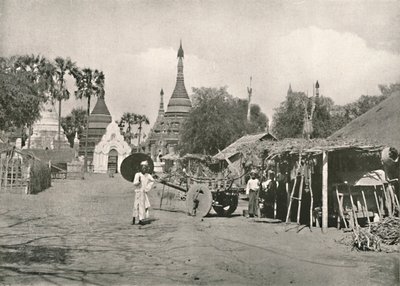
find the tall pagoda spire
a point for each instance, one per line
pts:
(161, 110)
(179, 102)
(180, 51)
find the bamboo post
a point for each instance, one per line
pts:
(341, 212)
(287, 191)
(1, 172)
(6, 178)
(28, 179)
(162, 196)
(353, 208)
(291, 200)
(311, 198)
(299, 199)
(377, 204)
(366, 207)
(324, 191)
(12, 173)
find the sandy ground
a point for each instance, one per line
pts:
(79, 233)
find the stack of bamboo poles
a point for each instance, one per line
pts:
(385, 232)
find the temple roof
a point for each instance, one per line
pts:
(100, 107)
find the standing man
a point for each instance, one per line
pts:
(143, 183)
(252, 187)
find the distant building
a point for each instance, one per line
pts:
(45, 131)
(164, 136)
(99, 119)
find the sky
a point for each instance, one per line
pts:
(348, 46)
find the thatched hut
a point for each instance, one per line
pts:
(380, 123)
(314, 172)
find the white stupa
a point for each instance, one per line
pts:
(45, 130)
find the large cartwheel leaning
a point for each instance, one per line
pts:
(198, 200)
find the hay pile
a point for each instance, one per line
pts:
(378, 234)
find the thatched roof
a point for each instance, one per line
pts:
(235, 147)
(312, 147)
(381, 123)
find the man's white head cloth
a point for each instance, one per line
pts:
(144, 163)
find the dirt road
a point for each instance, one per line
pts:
(79, 232)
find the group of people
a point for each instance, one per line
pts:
(262, 195)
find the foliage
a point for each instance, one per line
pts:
(40, 178)
(73, 123)
(216, 120)
(288, 119)
(19, 101)
(128, 120)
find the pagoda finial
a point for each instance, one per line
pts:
(161, 110)
(180, 51)
(317, 88)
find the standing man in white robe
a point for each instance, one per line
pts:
(143, 182)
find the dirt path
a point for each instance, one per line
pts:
(79, 232)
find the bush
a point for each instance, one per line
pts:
(40, 177)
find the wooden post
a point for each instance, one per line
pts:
(311, 197)
(365, 207)
(377, 204)
(6, 178)
(162, 196)
(12, 173)
(324, 191)
(1, 172)
(299, 199)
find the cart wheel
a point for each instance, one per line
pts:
(227, 210)
(198, 200)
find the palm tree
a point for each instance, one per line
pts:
(62, 66)
(128, 118)
(90, 83)
(139, 120)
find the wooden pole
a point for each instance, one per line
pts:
(6, 178)
(324, 191)
(162, 196)
(299, 199)
(377, 204)
(365, 206)
(1, 172)
(12, 173)
(291, 200)
(311, 197)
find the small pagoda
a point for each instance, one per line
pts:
(99, 119)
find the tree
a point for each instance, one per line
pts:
(288, 119)
(125, 124)
(139, 120)
(60, 93)
(33, 71)
(89, 83)
(216, 120)
(74, 123)
(19, 101)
